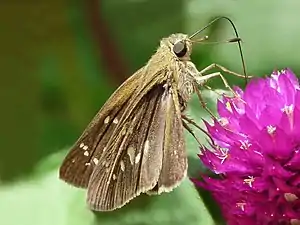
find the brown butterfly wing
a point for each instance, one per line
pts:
(133, 160)
(79, 163)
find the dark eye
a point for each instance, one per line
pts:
(180, 49)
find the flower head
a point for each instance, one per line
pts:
(256, 152)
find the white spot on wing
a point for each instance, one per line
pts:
(87, 164)
(122, 165)
(86, 153)
(131, 153)
(96, 161)
(106, 121)
(115, 121)
(81, 145)
(146, 147)
(114, 176)
(85, 147)
(137, 158)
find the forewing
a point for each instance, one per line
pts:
(79, 163)
(134, 159)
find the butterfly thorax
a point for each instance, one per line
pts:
(173, 64)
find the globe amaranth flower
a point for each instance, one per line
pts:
(256, 153)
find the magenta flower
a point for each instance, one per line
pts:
(256, 153)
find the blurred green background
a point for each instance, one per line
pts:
(60, 61)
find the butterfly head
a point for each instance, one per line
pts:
(179, 44)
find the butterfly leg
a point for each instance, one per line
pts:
(186, 126)
(215, 91)
(202, 102)
(190, 121)
(203, 78)
(200, 77)
(214, 65)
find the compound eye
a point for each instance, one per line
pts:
(180, 49)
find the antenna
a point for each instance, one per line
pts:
(238, 39)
